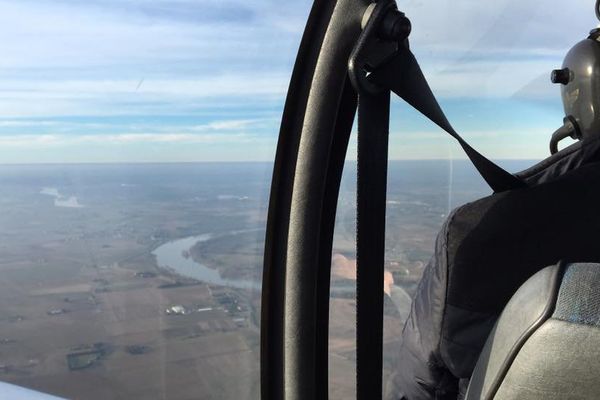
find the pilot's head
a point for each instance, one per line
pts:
(580, 87)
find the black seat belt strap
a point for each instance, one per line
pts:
(372, 161)
(373, 132)
(404, 77)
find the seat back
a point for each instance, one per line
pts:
(546, 343)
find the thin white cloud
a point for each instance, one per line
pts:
(217, 131)
(27, 140)
(221, 126)
(232, 124)
(129, 138)
(119, 139)
(27, 123)
(213, 86)
(45, 98)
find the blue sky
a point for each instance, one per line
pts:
(184, 80)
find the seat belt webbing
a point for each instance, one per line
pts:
(402, 74)
(373, 133)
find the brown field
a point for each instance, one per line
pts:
(203, 353)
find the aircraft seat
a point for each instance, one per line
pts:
(546, 343)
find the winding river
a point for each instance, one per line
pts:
(174, 255)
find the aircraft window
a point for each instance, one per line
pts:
(136, 148)
(489, 65)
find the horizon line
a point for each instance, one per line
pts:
(9, 164)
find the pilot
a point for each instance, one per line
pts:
(451, 317)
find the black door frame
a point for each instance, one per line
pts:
(311, 151)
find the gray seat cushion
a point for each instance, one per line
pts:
(546, 343)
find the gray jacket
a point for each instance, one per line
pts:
(484, 252)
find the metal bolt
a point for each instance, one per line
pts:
(395, 26)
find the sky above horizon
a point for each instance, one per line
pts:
(184, 80)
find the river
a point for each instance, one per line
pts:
(174, 255)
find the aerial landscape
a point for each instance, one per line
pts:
(143, 280)
(136, 148)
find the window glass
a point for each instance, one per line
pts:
(489, 64)
(136, 148)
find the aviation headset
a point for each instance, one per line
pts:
(580, 89)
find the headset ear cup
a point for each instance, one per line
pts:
(578, 81)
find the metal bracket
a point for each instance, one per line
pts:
(384, 30)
